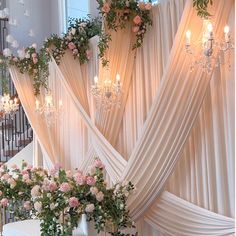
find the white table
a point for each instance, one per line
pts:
(32, 228)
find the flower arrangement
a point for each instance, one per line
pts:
(58, 198)
(35, 63)
(118, 14)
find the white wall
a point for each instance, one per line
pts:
(39, 20)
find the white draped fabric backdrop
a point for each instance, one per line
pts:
(173, 135)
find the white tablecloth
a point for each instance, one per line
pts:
(30, 228)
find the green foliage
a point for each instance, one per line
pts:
(59, 198)
(201, 7)
(117, 15)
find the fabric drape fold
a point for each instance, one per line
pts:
(171, 117)
(176, 217)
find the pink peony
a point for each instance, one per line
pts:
(94, 190)
(106, 7)
(34, 55)
(35, 191)
(12, 182)
(71, 46)
(90, 181)
(73, 202)
(35, 60)
(148, 6)
(135, 29)
(24, 172)
(65, 187)
(80, 179)
(98, 164)
(137, 20)
(4, 202)
(27, 205)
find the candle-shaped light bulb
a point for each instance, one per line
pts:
(15, 100)
(226, 31)
(60, 103)
(95, 80)
(118, 79)
(210, 27)
(37, 104)
(188, 37)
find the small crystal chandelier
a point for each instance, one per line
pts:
(8, 106)
(213, 49)
(107, 94)
(48, 109)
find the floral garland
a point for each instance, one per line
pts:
(58, 198)
(117, 14)
(201, 7)
(36, 63)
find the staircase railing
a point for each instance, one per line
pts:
(15, 132)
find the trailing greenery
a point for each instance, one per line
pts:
(201, 7)
(118, 14)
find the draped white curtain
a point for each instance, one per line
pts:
(164, 100)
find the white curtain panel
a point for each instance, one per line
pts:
(205, 173)
(176, 217)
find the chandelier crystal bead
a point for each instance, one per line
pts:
(8, 106)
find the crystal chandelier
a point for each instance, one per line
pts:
(108, 93)
(213, 50)
(49, 109)
(8, 106)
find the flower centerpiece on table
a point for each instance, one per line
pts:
(58, 198)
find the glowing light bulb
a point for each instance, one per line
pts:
(226, 29)
(95, 79)
(118, 78)
(188, 37)
(210, 27)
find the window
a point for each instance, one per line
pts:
(77, 8)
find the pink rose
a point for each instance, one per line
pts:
(24, 172)
(35, 60)
(98, 164)
(89, 54)
(90, 180)
(27, 205)
(106, 7)
(148, 6)
(142, 6)
(14, 166)
(100, 196)
(75, 51)
(25, 177)
(65, 187)
(34, 54)
(73, 202)
(135, 29)
(35, 191)
(137, 20)
(4, 202)
(52, 186)
(80, 179)
(71, 46)
(5, 177)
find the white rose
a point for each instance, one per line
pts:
(99, 196)
(9, 38)
(21, 54)
(90, 208)
(38, 206)
(7, 52)
(94, 190)
(35, 191)
(73, 31)
(52, 206)
(34, 45)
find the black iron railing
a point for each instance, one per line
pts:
(15, 132)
